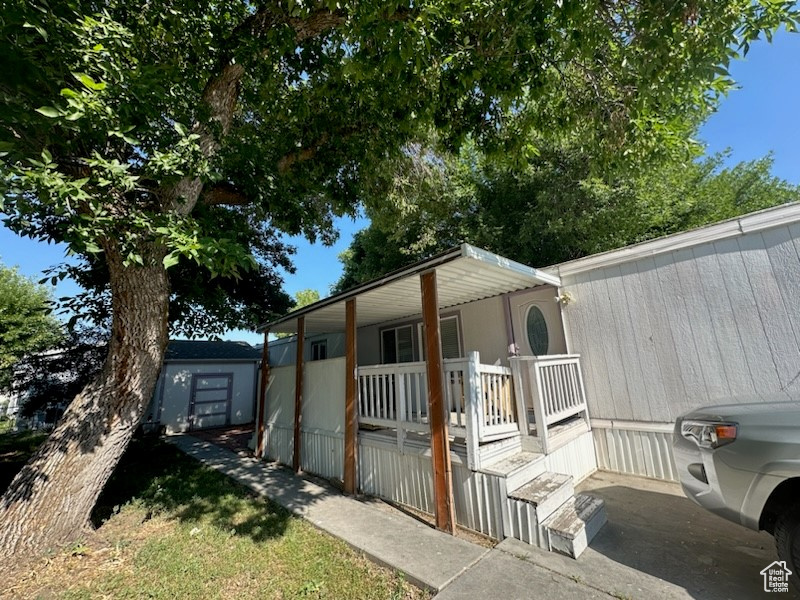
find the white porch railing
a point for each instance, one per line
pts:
(555, 387)
(479, 399)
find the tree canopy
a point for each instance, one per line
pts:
(26, 323)
(554, 210)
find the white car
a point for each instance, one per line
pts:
(742, 462)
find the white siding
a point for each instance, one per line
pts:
(279, 415)
(636, 450)
(283, 351)
(660, 335)
(407, 478)
(322, 426)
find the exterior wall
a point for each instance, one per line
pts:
(322, 427)
(483, 328)
(170, 403)
(283, 351)
(279, 415)
(686, 321)
(544, 298)
(665, 334)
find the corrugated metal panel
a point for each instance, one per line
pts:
(408, 479)
(644, 453)
(576, 458)
(479, 501)
(523, 524)
(279, 444)
(403, 478)
(323, 453)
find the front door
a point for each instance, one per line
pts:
(210, 403)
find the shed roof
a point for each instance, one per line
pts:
(464, 274)
(210, 350)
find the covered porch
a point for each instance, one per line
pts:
(448, 436)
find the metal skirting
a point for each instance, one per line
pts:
(576, 458)
(408, 480)
(279, 443)
(646, 451)
(323, 453)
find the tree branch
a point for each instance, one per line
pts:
(224, 193)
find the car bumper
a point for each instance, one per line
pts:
(708, 481)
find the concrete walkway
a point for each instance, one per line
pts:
(628, 559)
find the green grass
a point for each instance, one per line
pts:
(171, 528)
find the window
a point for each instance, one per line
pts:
(397, 344)
(319, 350)
(536, 329)
(451, 337)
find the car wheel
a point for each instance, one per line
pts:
(787, 540)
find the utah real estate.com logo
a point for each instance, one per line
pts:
(776, 577)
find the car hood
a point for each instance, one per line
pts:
(742, 408)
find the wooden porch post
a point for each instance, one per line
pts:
(350, 395)
(440, 442)
(262, 397)
(298, 392)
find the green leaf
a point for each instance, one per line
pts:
(179, 128)
(46, 156)
(88, 82)
(171, 259)
(49, 111)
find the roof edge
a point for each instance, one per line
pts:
(418, 267)
(775, 216)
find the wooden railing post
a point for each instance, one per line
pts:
(539, 412)
(400, 407)
(473, 411)
(521, 391)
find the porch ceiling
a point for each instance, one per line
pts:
(464, 274)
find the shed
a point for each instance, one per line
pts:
(205, 384)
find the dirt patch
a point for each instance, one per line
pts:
(234, 438)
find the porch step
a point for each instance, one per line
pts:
(517, 470)
(570, 529)
(547, 493)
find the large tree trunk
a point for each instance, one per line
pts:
(50, 500)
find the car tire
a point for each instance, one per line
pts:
(787, 540)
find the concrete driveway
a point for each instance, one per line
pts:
(658, 544)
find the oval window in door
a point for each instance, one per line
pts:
(536, 327)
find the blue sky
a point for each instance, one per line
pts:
(758, 118)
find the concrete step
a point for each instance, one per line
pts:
(546, 493)
(570, 529)
(518, 469)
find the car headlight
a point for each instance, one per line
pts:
(709, 434)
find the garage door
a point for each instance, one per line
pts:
(210, 404)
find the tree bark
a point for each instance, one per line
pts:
(49, 502)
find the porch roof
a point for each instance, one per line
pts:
(464, 274)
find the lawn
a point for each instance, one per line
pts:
(168, 527)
